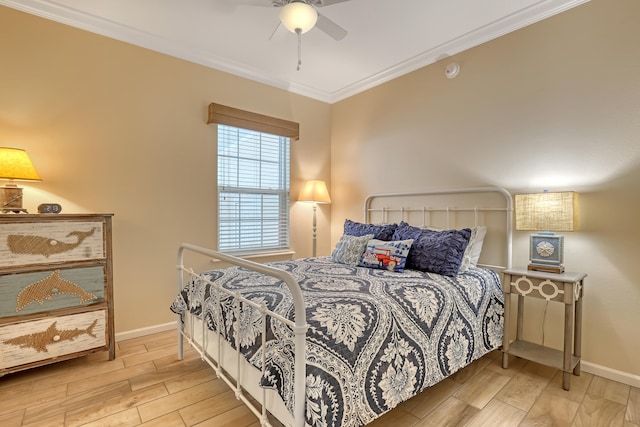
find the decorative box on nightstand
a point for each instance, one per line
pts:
(56, 289)
(566, 288)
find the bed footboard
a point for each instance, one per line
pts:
(298, 326)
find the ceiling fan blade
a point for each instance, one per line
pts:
(275, 30)
(261, 3)
(329, 27)
(281, 3)
(321, 3)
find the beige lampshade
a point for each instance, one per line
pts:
(314, 190)
(547, 211)
(15, 164)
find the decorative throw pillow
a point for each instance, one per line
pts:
(434, 251)
(380, 232)
(472, 253)
(349, 249)
(390, 256)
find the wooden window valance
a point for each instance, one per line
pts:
(223, 115)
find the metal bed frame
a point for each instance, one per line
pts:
(299, 324)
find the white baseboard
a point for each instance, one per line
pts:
(127, 335)
(611, 374)
(592, 368)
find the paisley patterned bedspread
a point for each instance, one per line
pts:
(375, 339)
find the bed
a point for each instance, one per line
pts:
(327, 341)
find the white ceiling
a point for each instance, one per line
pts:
(386, 38)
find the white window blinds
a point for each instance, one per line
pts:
(253, 190)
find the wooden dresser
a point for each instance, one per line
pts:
(56, 288)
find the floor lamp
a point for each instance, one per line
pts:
(314, 191)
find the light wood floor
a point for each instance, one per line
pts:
(146, 385)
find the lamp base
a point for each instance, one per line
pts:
(11, 199)
(546, 252)
(548, 268)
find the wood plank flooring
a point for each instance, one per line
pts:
(147, 386)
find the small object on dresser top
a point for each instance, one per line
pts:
(52, 208)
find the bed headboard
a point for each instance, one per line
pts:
(457, 208)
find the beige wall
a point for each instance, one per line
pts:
(553, 106)
(114, 128)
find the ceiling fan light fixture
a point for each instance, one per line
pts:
(298, 16)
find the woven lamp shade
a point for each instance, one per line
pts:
(547, 211)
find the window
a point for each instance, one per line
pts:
(253, 180)
(253, 190)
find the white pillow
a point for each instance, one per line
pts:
(474, 248)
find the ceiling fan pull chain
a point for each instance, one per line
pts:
(299, 33)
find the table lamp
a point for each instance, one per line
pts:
(14, 165)
(547, 212)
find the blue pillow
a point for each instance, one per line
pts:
(434, 251)
(390, 256)
(380, 232)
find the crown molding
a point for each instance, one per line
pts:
(538, 12)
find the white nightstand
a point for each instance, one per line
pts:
(566, 288)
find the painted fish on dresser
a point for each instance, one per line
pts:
(40, 340)
(49, 287)
(38, 245)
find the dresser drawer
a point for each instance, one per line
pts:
(48, 290)
(51, 338)
(28, 243)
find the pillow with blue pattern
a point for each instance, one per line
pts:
(390, 256)
(349, 249)
(380, 232)
(438, 252)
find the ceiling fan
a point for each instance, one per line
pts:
(299, 16)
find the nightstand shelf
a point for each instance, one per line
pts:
(566, 288)
(540, 354)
